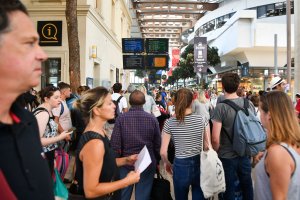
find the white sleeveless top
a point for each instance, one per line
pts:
(262, 190)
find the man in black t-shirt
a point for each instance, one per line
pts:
(21, 161)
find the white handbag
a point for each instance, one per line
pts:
(155, 111)
(212, 178)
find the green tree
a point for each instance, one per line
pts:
(213, 57)
(185, 68)
(186, 64)
(176, 75)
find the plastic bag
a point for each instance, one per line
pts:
(60, 190)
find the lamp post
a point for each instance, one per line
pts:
(288, 21)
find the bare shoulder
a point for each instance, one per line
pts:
(43, 115)
(92, 149)
(277, 151)
(279, 158)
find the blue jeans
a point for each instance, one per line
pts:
(142, 188)
(186, 173)
(240, 168)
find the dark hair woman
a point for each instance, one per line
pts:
(50, 98)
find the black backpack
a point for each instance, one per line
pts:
(117, 110)
(41, 109)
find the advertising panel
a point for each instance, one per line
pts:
(200, 54)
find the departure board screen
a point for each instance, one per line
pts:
(157, 45)
(132, 45)
(133, 62)
(156, 61)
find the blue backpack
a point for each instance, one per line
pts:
(249, 136)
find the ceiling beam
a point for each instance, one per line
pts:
(160, 32)
(157, 36)
(162, 5)
(166, 20)
(190, 16)
(170, 12)
(161, 26)
(170, 2)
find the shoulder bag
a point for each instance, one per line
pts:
(212, 178)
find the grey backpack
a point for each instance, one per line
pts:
(249, 136)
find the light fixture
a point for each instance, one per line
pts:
(94, 52)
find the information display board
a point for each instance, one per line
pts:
(157, 45)
(132, 45)
(156, 61)
(133, 62)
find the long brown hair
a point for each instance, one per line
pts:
(284, 125)
(183, 100)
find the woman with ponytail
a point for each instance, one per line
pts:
(97, 173)
(187, 131)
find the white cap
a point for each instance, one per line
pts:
(275, 81)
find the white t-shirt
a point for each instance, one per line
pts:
(64, 118)
(122, 103)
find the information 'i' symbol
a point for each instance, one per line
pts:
(49, 31)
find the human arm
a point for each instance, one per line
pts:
(207, 138)
(116, 140)
(124, 104)
(42, 119)
(56, 114)
(280, 166)
(60, 128)
(128, 160)
(92, 156)
(216, 130)
(164, 151)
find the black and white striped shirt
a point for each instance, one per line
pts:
(187, 136)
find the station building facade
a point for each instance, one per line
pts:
(101, 26)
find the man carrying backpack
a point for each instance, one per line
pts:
(116, 96)
(222, 133)
(121, 107)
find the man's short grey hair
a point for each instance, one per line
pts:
(130, 88)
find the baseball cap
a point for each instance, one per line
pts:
(275, 81)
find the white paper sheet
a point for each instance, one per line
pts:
(143, 160)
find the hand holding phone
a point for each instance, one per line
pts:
(71, 129)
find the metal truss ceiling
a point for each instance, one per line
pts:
(170, 18)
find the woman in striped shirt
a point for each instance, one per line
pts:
(186, 130)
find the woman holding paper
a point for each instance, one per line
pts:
(97, 174)
(187, 131)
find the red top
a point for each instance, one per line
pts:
(15, 118)
(298, 106)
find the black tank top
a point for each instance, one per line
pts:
(110, 171)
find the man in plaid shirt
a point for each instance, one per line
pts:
(133, 130)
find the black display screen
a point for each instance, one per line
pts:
(133, 62)
(157, 45)
(132, 45)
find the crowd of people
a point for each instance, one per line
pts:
(103, 130)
